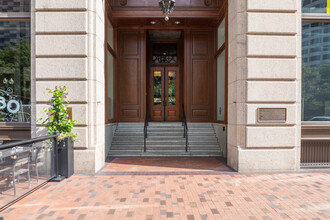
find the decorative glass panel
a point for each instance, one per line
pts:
(164, 53)
(222, 33)
(316, 72)
(163, 59)
(221, 63)
(15, 5)
(110, 74)
(171, 88)
(315, 6)
(15, 72)
(157, 88)
(109, 33)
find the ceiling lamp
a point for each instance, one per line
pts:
(167, 7)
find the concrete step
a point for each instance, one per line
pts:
(199, 145)
(131, 124)
(165, 124)
(164, 154)
(164, 128)
(173, 146)
(165, 139)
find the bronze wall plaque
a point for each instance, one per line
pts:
(272, 114)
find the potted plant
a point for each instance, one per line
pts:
(58, 121)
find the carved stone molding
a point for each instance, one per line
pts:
(208, 2)
(123, 2)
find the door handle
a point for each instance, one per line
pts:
(164, 102)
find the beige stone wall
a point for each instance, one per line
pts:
(264, 71)
(68, 50)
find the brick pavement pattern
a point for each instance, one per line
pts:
(178, 188)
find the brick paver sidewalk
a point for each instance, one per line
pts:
(178, 188)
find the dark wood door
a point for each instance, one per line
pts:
(164, 94)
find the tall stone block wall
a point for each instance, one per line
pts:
(264, 72)
(68, 50)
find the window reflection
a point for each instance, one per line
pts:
(314, 6)
(222, 33)
(15, 71)
(221, 62)
(15, 5)
(316, 72)
(110, 86)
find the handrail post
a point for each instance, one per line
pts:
(56, 155)
(187, 140)
(145, 130)
(185, 127)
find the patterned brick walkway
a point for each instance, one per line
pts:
(178, 188)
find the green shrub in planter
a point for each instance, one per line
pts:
(58, 119)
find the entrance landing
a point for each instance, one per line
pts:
(166, 166)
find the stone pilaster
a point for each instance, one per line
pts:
(264, 72)
(68, 50)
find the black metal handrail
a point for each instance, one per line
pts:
(146, 124)
(24, 142)
(185, 126)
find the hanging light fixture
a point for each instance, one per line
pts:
(167, 7)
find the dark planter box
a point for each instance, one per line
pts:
(65, 157)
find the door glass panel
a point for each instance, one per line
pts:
(171, 88)
(157, 88)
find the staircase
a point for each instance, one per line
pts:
(165, 139)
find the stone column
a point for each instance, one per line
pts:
(68, 50)
(264, 72)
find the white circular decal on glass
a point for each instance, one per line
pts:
(13, 106)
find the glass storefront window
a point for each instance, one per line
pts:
(15, 71)
(15, 5)
(222, 33)
(316, 72)
(315, 6)
(110, 72)
(109, 33)
(221, 70)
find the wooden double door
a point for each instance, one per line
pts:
(164, 93)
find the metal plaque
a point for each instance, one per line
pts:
(272, 114)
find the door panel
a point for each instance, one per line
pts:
(130, 81)
(164, 93)
(199, 75)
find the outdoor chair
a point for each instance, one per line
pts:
(35, 160)
(16, 165)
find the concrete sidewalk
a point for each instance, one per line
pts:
(178, 188)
